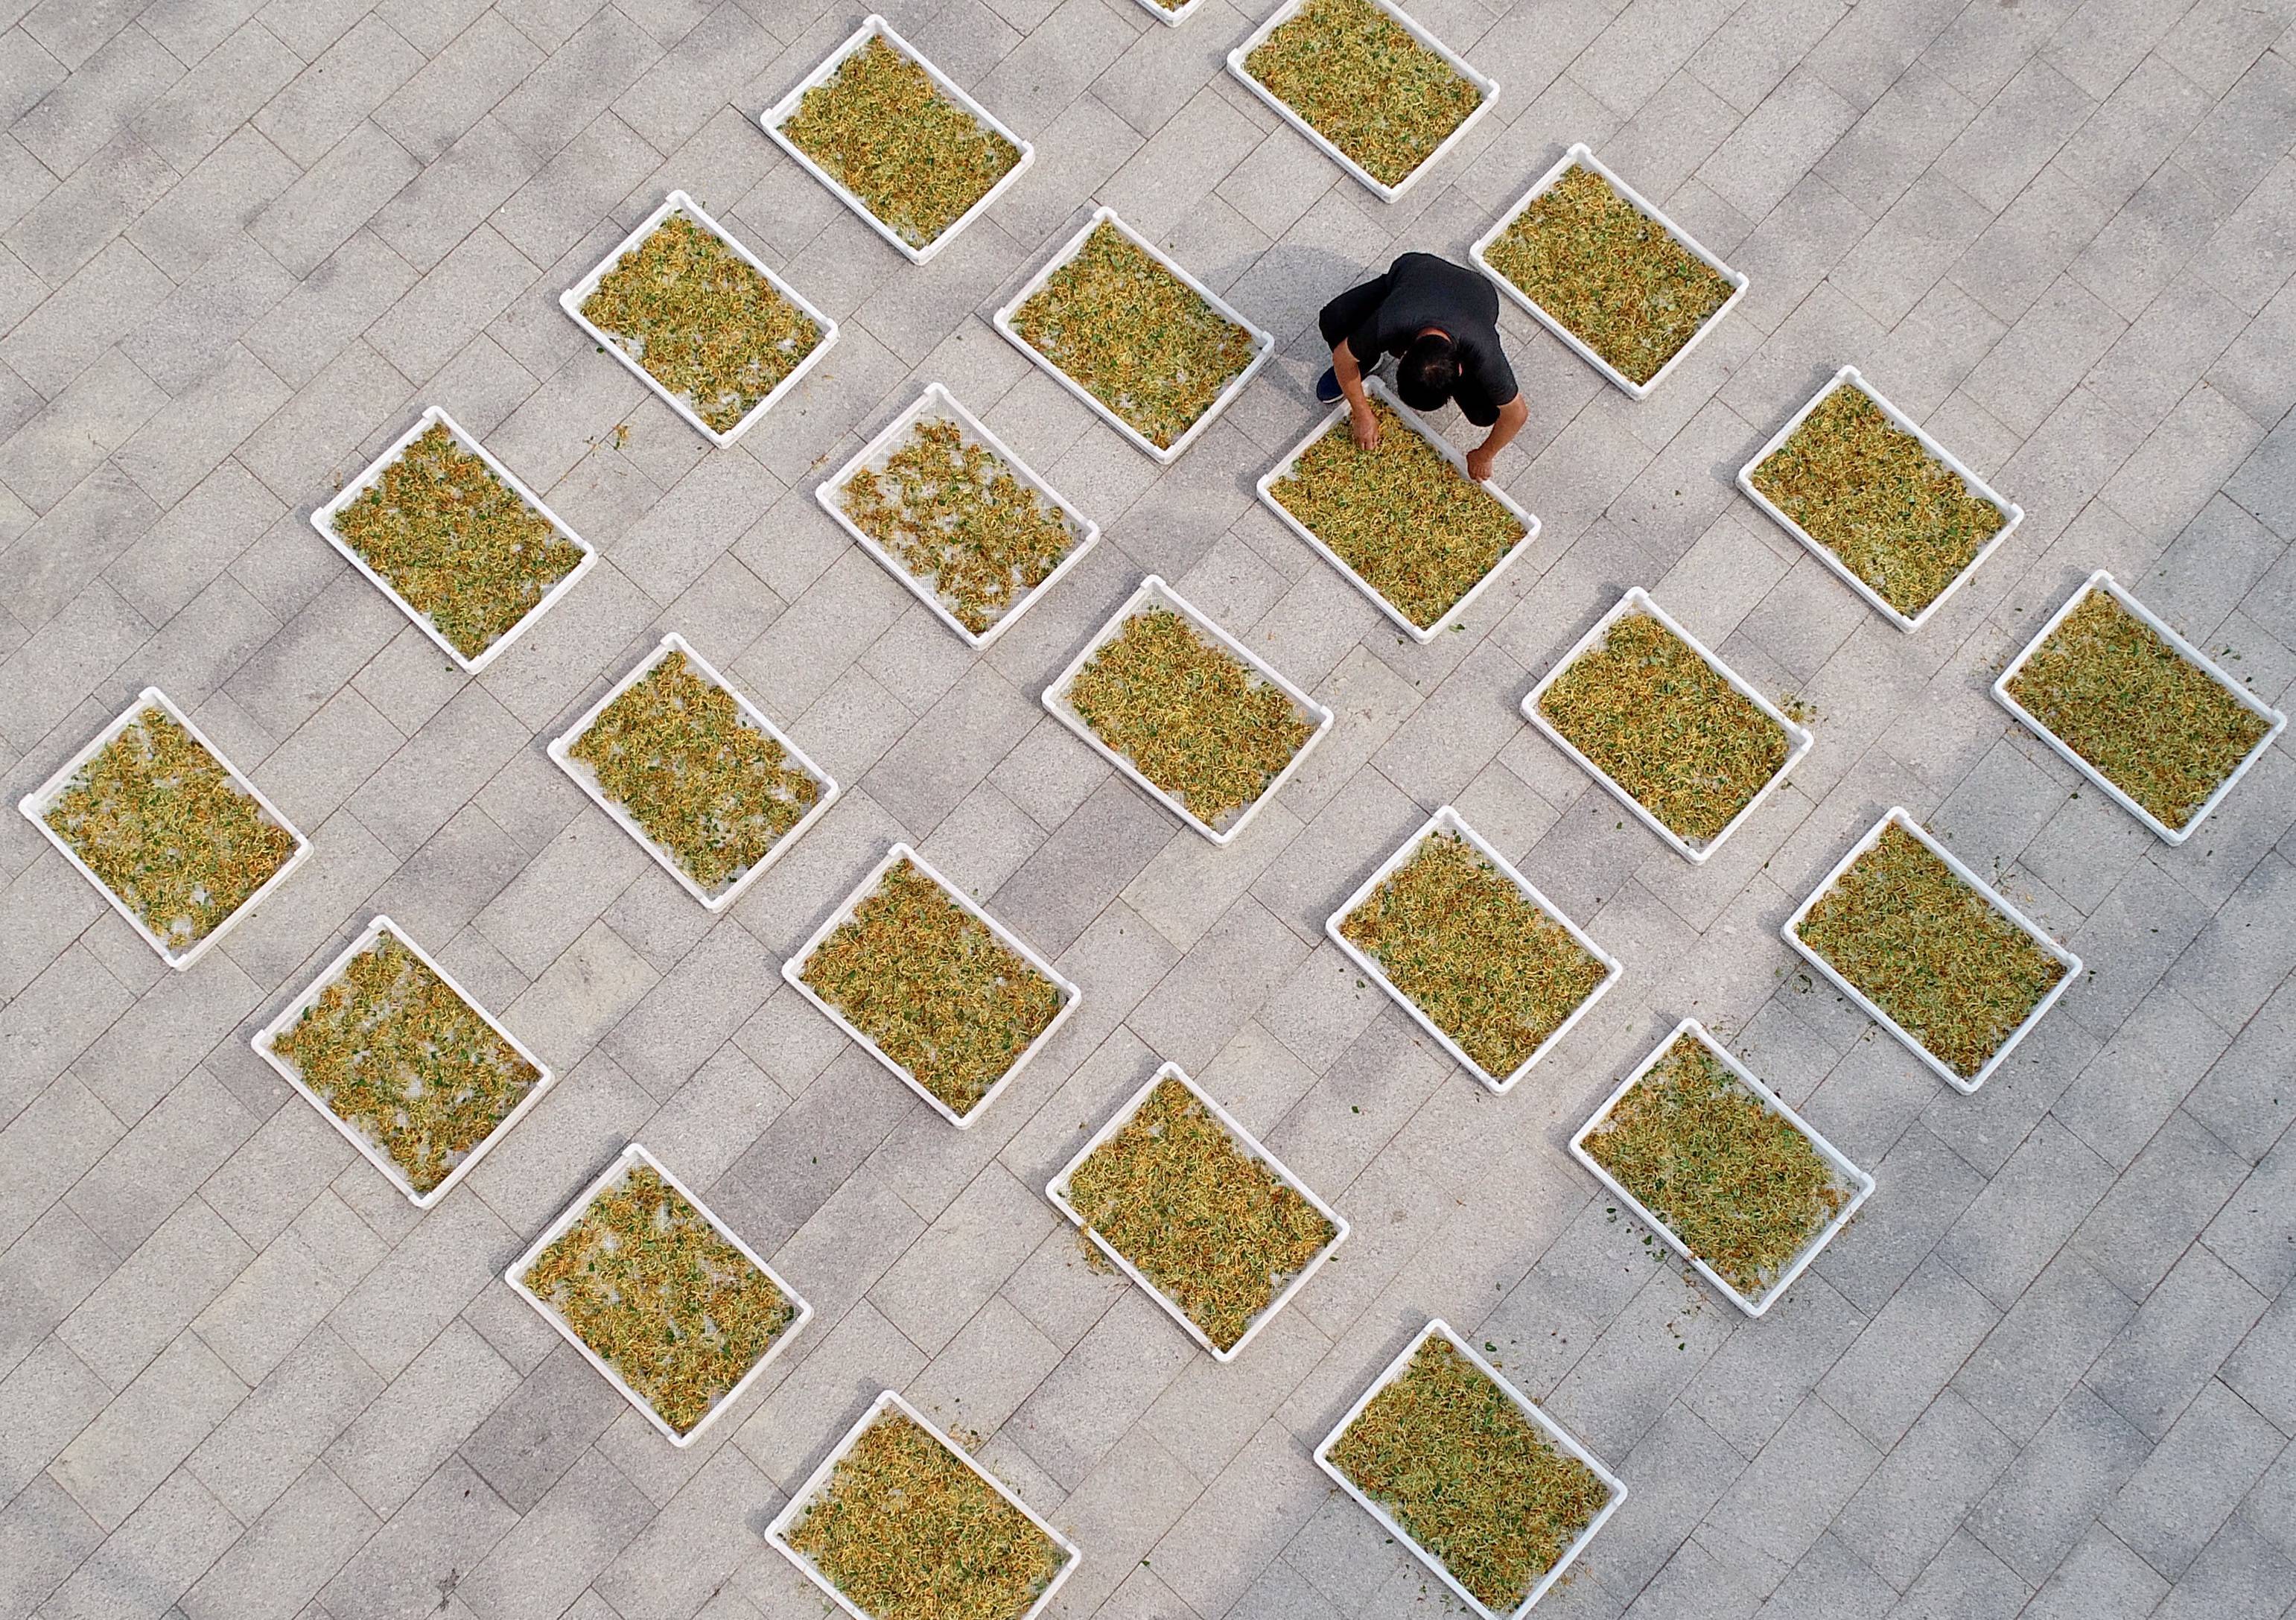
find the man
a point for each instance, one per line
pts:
(1442, 320)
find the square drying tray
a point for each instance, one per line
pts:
(562, 750)
(629, 1158)
(1154, 593)
(1057, 1190)
(2102, 579)
(1560, 1437)
(1861, 1184)
(266, 1039)
(1448, 820)
(1899, 817)
(1263, 344)
(778, 1532)
(1239, 64)
(678, 203)
(937, 401)
(1798, 740)
(1332, 423)
(874, 27)
(793, 970)
(36, 805)
(1848, 376)
(1580, 155)
(323, 521)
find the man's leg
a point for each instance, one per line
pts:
(1342, 317)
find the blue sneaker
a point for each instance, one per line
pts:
(1327, 387)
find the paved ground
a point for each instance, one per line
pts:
(2049, 1371)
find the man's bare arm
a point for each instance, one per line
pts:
(1513, 414)
(1359, 412)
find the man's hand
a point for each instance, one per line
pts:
(1513, 414)
(1365, 422)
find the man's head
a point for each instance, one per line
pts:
(1428, 372)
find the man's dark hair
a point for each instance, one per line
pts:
(1429, 372)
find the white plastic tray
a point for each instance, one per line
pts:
(1860, 1183)
(1057, 1190)
(1899, 816)
(785, 1521)
(1638, 600)
(1448, 820)
(323, 521)
(2102, 579)
(1580, 154)
(1173, 17)
(1263, 344)
(1154, 593)
(562, 750)
(877, 28)
(632, 1156)
(937, 401)
(2012, 514)
(1554, 1432)
(266, 1039)
(1335, 422)
(1488, 88)
(795, 968)
(36, 805)
(678, 202)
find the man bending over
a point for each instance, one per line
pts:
(1441, 321)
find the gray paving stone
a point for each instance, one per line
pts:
(421, 1552)
(2175, 1503)
(1908, 1352)
(133, 1445)
(1946, 1465)
(430, 1410)
(2059, 1484)
(2258, 1370)
(46, 1536)
(2160, 1203)
(152, 1556)
(139, 1308)
(232, 246)
(288, 1555)
(2125, 1093)
(2167, 1351)
(2033, 1204)
(269, 1440)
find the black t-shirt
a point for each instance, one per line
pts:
(1420, 291)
